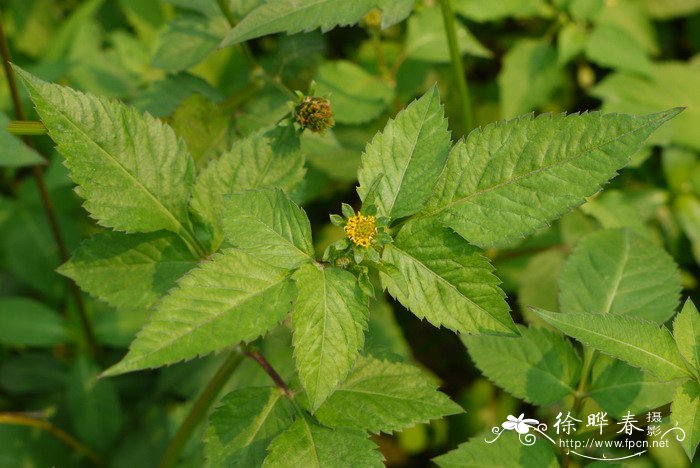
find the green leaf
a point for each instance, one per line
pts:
(26, 322)
(539, 284)
(187, 40)
(269, 226)
(266, 159)
(132, 171)
(94, 405)
(395, 11)
(618, 387)
(528, 171)
(356, 96)
(619, 272)
(685, 410)
(244, 424)
(641, 343)
(234, 297)
(488, 10)
(410, 154)
(447, 281)
(328, 322)
(571, 41)
(14, 153)
(529, 77)
(310, 445)
(129, 271)
(687, 209)
(670, 84)
(666, 9)
(506, 452)
(382, 396)
(540, 366)
(293, 16)
(686, 331)
(612, 47)
(426, 39)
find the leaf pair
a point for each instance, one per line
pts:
(377, 396)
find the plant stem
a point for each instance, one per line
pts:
(448, 17)
(267, 367)
(379, 52)
(589, 355)
(46, 201)
(199, 409)
(23, 420)
(26, 127)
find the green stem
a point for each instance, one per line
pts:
(22, 420)
(199, 409)
(589, 355)
(448, 17)
(26, 128)
(47, 202)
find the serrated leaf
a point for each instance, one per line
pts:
(269, 158)
(382, 396)
(293, 16)
(269, 226)
(685, 410)
(26, 322)
(506, 452)
(132, 171)
(449, 282)
(310, 445)
(328, 324)
(409, 153)
(618, 388)
(540, 366)
(528, 171)
(129, 271)
(244, 424)
(234, 297)
(686, 331)
(356, 96)
(619, 272)
(14, 153)
(636, 341)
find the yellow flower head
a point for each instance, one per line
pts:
(361, 229)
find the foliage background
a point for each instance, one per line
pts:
(632, 56)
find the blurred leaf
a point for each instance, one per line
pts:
(540, 366)
(395, 11)
(129, 271)
(384, 336)
(356, 96)
(14, 153)
(26, 322)
(327, 154)
(641, 343)
(687, 209)
(671, 84)
(328, 324)
(426, 39)
(94, 405)
(529, 77)
(667, 9)
(163, 97)
(309, 444)
(539, 284)
(383, 396)
(612, 47)
(32, 373)
(187, 40)
(488, 10)
(244, 424)
(685, 411)
(234, 297)
(618, 272)
(571, 41)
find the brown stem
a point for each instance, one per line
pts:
(260, 359)
(46, 199)
(20, 419)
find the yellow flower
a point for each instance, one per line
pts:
(361, 229)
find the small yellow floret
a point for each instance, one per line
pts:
(361, 229)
